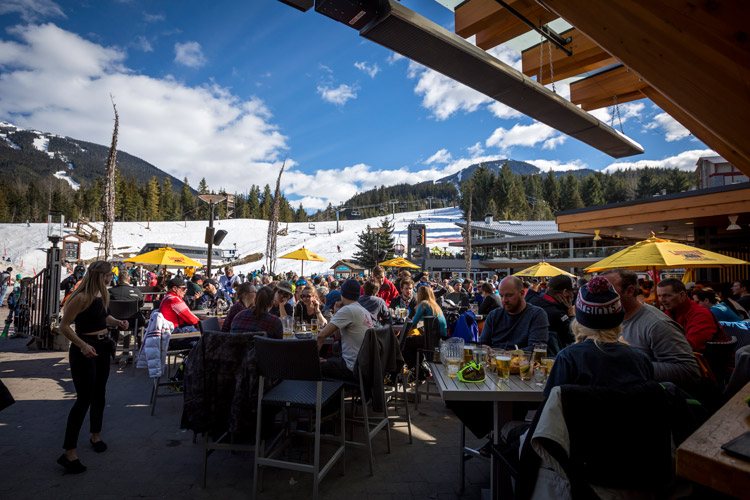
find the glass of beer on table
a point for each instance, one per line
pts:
(314, 325)
(454, 355)
(502, 363)
(540, 351)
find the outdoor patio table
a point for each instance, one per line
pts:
(701, 459)
(501, 394)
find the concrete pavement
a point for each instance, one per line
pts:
(150, 457)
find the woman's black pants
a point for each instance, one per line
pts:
(90, 379)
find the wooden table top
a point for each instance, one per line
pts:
(492, 389)
(701, 459)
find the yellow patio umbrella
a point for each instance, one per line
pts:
(304, 254)
(399, 262)
(656, 253)
(542, 270)
(164, 257)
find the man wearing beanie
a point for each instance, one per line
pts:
(350, 324)
(598, 358)
(516, 323)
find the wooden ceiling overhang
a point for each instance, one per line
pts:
(692, 59)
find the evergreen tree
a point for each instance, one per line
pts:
(678, 181)
(570, 196)
(366, 249)
(387, 241)
(593, 194)
(517, 208)
(551, 191)
(615, 190)
(166, 200)
(266, 203)
(300, 215)
(253, 203)
(152, 199)
(187, 200)
(647, 184)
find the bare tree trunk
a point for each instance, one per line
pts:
(467, 236)
(273, 226)
(109, 193)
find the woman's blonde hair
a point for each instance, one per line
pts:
(424, 294)
(584, 332)
(94, 283)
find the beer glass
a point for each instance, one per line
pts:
(314, 325)
(454, 355)
(540, 352)
(288, 324)
(502, 362)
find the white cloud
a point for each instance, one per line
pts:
(547, 165)
(626, 112)
(56, 81)
(337, 95)
(142, 43)
(31, 10)
(476, 149)
(673, 131)
(190, 54)
(503, 111)
(684, 161)
(394, 58)
(441, 156)
(153, 18)
(525, 135)
(367, 69)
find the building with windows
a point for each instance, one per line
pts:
(715, 171)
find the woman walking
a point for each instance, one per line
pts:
(88, 308)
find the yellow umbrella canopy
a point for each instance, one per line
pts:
(304, 254)
(542, 270)
(399, 262)
(164, 257)
(656, 253)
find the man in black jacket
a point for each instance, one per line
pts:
(491, 299)
(557, 302)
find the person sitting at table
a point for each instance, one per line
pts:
(708, 299)
(699, 324)
(557, 303)
(598, 358)
(407, 299)
(175, 310)
(350, 324)
(490, 301)
(259, 318)
(214, 297)
(194, 291)
(374, 304)
(427, 306)
(245, 296)
(386, 289)
(227, 280)
(281, 306)
(517, 323)
(308, 308)
(333, 304)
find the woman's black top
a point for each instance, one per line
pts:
(300, 311)
(93, 319)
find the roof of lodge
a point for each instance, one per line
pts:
(515, 227)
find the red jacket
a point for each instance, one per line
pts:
(174, 309)
(387, 291)
(700, 326)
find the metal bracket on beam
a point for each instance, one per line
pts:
(551, 35)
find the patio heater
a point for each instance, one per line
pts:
(211, 238)
(50, 281)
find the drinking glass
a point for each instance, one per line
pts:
(540, 351)
(454, 354)
(403, 313)
(314, 325)
(468, 352)
(288, 324)
(547, 363)
(480, 355)
(539, 375)
(524, 365)
(502, 362)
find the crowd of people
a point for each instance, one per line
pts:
(607, 332)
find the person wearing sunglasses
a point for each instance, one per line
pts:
(214, 297)
(309, 308)
(281, 306)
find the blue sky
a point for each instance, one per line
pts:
(227, 90)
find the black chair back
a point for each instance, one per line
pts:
(743, 336)
(292, 359)
(209, 324)
(404, 334)
(718, 355)
(123, 309)
(431, 333)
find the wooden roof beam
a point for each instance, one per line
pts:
(587, 56)
(493, 24)
(695, 54)
(598, 91)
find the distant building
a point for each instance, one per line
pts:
(714, 171)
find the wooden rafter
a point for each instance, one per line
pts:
(695, 54)
(587, 56)
(493, 24)
(600, 90)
